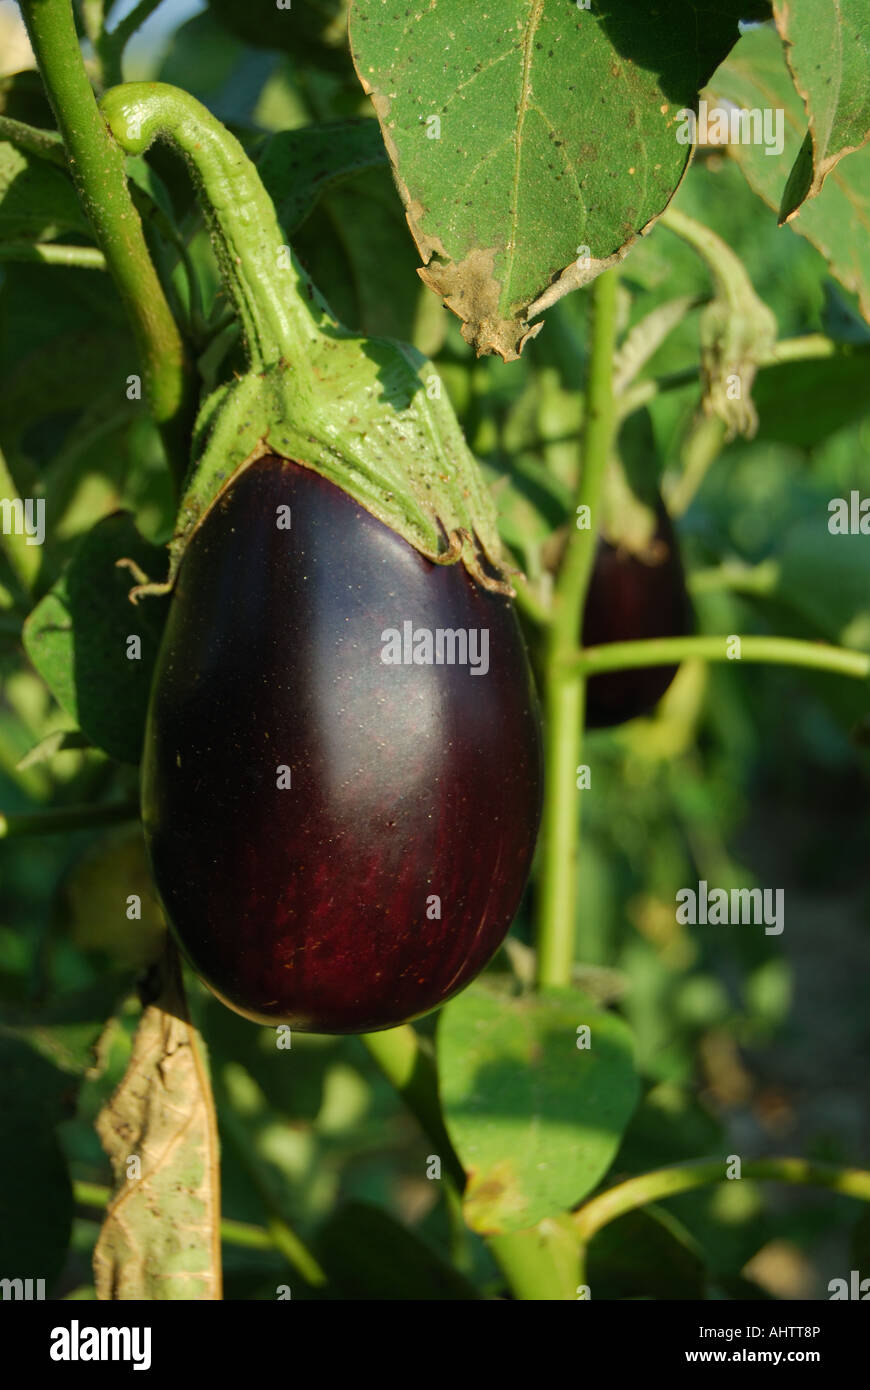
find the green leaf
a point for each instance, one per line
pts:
(828, 53)
(370, 277)
(535, 1119)
(37, 201)
(825, 578)
(533, 142)
(43, 1056)
(77, 637)
(35, 1193)
(837, 387)
(756, 77)
(367, 1254)
(645, 1254)
(297, 166)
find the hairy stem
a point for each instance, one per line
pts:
(276, 303)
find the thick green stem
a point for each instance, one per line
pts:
(541, 1264)
(773, 651)
(702, 1172)
(411, 1070)
(273, 297)
(63, 818)
(97, 167)
(565, 687)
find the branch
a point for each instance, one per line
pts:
(565, 686)
(670, 651)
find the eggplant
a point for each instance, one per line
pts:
(341, 781)
(631, 598)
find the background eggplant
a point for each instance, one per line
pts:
(631, 598)
(385, 876)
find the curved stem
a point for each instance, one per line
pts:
(96, 165)
(272, 295)
(702, 1172)
(774, 651)
(565, 686)
(64, 818)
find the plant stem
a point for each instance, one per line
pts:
(703, 444)
(97, 167)
(541, 1264)
(91, 1194)
(53, 253)
(45, 143)
(669, 651)
(278, 324)
(565, 687)
(412, 1071)
(702, 1172)
(762, 578)
(64, 818)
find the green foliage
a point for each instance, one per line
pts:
(79, 637)
(535, 1118)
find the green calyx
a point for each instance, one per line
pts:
(369, 414)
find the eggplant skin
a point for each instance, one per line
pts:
(414, 789)
(629, 600)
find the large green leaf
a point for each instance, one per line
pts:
(756, 77)
(78, 637)
(35, 1193)
(533, 141)
(535, 1119)
(297, 166)
(828, 53)
(367, 1254)
(645, 1254)
(43, 1057)
(37, 200)
(836, 385)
